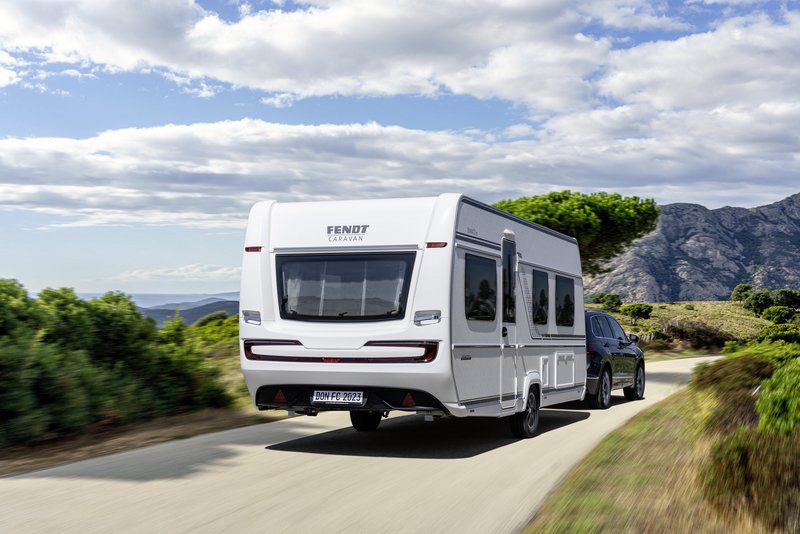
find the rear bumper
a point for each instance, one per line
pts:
(298, 398)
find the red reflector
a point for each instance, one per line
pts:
(331, 360)
(437, 244)
(280, 397)
(408, 400)
(252, 249)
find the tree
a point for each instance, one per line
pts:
(18, 312)
(786, 297)
(122, 333)
(610, 301)
(637, 311)
(778, 314)
(741, 291)
(758, 300)
(174, 330)
(603, 223)
(68, 319)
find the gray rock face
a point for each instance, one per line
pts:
(700, 254)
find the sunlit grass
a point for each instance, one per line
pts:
(642, 477)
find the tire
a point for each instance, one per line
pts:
(636, 391)
(365, 421)
(525, 424)
(602, 399)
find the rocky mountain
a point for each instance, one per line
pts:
(700, 254)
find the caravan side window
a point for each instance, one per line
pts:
(480, 288)
(509, 279)
(565, 301)
(541, 293)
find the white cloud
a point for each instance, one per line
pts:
(531, 53)
(743, 62)
(186, 273)
(207, 175)
(8, 77)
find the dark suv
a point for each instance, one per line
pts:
(612, 359)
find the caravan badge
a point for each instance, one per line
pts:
(345, 232)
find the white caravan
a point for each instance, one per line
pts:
(442, 306)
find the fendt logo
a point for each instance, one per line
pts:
(345, 232)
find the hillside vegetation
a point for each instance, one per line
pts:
(69, 365)
(681, 326)
(733, 441)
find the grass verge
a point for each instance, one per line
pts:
(642, 477)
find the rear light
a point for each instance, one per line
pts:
(250, 343)
(252, 249)
(430, 350)
(280, 397)
(408, 401)
(436, 244)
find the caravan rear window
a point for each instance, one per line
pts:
(344, 287)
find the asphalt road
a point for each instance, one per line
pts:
(317, 475)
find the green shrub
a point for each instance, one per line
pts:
(786, 297)
(212, 318)
(637, 311)
(731, 347)
(758, 471)
(698, 335)
(758, 301)
(778, 314)
(790, 333)
(69, 365)
(610, 301)
(45, 391)
(778, 404)
(732, 382)
(19, 314)
(741, 291)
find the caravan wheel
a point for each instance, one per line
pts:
(365, 421)
(525, 424)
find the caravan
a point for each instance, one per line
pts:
(442, 306)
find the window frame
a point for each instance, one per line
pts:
(469, 258)
(534, 297)
(408, 257)
(559, 298)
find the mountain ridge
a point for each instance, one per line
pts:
(697, 253)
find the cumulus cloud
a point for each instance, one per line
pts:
(207, 175)
(187, 273)
(534, 53)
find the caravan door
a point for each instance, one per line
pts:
(508, 359)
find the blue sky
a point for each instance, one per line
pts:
(134, 135)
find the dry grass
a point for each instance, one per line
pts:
(19, 459)
(641, 478)
(726, 316)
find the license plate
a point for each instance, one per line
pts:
(355, 398)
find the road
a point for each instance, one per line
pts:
(316, 474)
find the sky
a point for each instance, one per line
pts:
(136, 134)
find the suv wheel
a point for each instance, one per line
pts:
(602, 399)
(636, 391)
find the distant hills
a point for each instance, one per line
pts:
(700, 254)
(191, 311)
